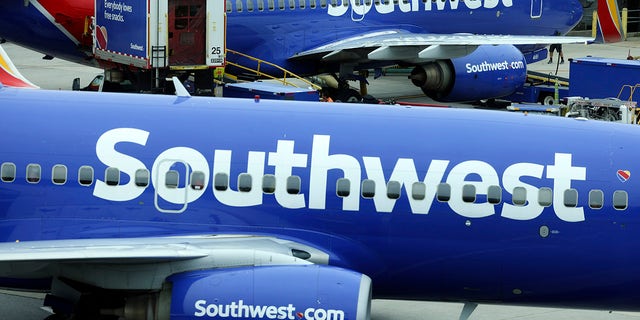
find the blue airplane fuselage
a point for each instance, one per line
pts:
(275, 35)
(529, 243)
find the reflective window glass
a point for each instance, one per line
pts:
(343, 187)
(34, 172)
(8, 172)
(59, 174)
(596, 199)
(85, 176)
(368, 188)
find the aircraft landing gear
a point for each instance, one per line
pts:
(339, 90)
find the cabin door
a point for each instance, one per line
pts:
(171, 183)
(536, 9)
(187, 28)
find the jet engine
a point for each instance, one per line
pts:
(488, 72)
(271, 292)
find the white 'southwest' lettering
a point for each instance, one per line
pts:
(362, 7)
(240, 310)
(475, 173)
(284, 160)
(495, 66)
(457, 179)
(107, 154)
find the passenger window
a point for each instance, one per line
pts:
(260, 5)
(112, 176)
(519, 196)
(59, 174)
(620, 200)
(469, 193)
(197, 180)
(571, 198)
(172, 179)
(292, 4)
(8, 172)
(244, 182)
(418, 190)
(281, 4)
(85, 176)
(444, 192)
(323, 4)
(393, 189)
(229, 8)
(271, 5)
(545, 197)
(293, 185)
(494, 194)
(312, 4)
(142, 178)
(302, 4)
(368, 188)
(343, 187)
(250, 5)
(596, 199)
(269, 183)
(239, 5)
(221, 181)
(34, 173)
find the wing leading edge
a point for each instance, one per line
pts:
(144, 263)
(414, 47)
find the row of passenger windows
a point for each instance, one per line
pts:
(293, 186)
(271, 5)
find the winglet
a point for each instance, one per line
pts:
(9, 74)
(181, 91)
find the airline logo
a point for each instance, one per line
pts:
(558, 173)
(362, 7)
(495, 66)
(240, 310)
(624, 175)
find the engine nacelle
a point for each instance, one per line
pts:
(310, 292)
(488, 72)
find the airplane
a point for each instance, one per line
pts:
(129, 206)
(458, 50)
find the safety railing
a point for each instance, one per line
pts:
(631, 105)
(286, 74)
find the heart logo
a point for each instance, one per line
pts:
(101, 37)
(624, 175)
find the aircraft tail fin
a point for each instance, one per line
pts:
(9, 74)
(608, 28)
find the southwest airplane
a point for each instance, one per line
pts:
(128, 206)
(459, 50)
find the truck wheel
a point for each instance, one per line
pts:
(548, 100)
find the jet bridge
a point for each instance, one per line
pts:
(145, 42)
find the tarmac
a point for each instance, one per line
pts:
(58, 74)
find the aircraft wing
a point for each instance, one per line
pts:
(414, 47)
(147, 261)
(9, 74)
